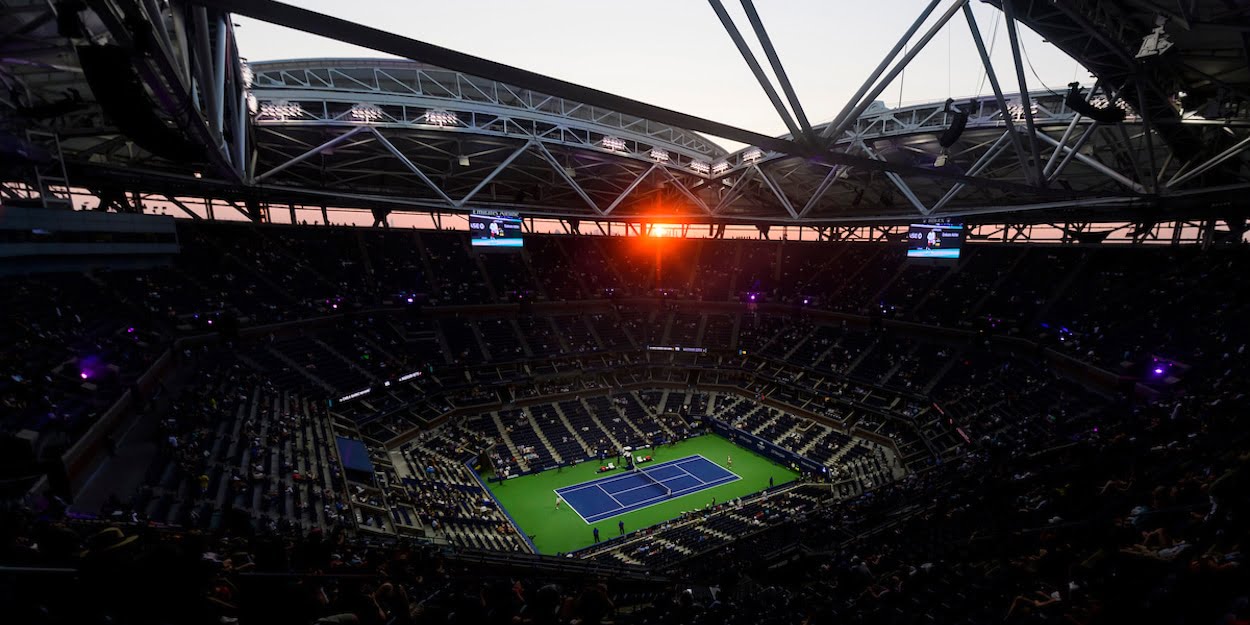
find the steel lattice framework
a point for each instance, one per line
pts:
(364, 127)
(451, 132)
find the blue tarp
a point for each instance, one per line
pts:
(354, 454)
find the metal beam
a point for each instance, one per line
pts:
(889, 78)
(997, 88)
(313, 152)
(1095, 165)
(173, 200)
(1144, 108)
(749, 57)
(778, 69)
(630, 189)
(550, 158)
(772, 186)
(204, 65)
(681, 186)
(390, 147)
(876, 73)
(382, 41)
(1073, 151)
(898, 182)
(1067, 134)
(165, 80)
(985, 161)
(494, 172)
(1025, 102)
(733, 194)
(1214, 161)
(835, 172)
(219, 79)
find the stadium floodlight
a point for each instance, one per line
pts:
(570, 172)
(439, 117)
(701, 167)
(720, 167)
(659, 155)
(366, 113)
(1016, 110)
(281, 109)
(613, 143)
(1099, 108)
(752, 155)
(246, 73)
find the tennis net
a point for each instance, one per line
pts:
(668, 492)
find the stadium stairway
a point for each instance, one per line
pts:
(542, 437)
(991, 292)
(819, 440)
(295, 366)
(594, 418)
(569, 425)
(525, 344)
(715, 533)
(863, 354)
(482, 343)
(507, 441)
(935, 288)
(898, 364)
(1056, 295)
(345, 360)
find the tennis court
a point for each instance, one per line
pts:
(617, 494)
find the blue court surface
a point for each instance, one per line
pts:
(617, 494)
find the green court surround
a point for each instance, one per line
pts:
(530, 499)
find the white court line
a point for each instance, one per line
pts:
(595, 518)
(683, 470)
(605, 491)
(609, 480)
(571, 507)
(648, 484)
(687, 459)
(731, 477)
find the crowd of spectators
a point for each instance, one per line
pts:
(1028, 498)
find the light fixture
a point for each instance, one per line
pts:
(1016, 110)
(752, 155)
(245, 72)
(440, 117)
(570, 172)
(720, 167)
(659, 155)
(700, 166)
(1098, 108)
(464, 160)
(281, 109)
(613, 143)
(252, 104)
(941, 159)
(1155, 42)
(366, 113)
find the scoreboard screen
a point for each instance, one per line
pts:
(488, 230)
(934, 240)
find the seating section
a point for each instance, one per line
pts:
(1051, 435)
(239, 449)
